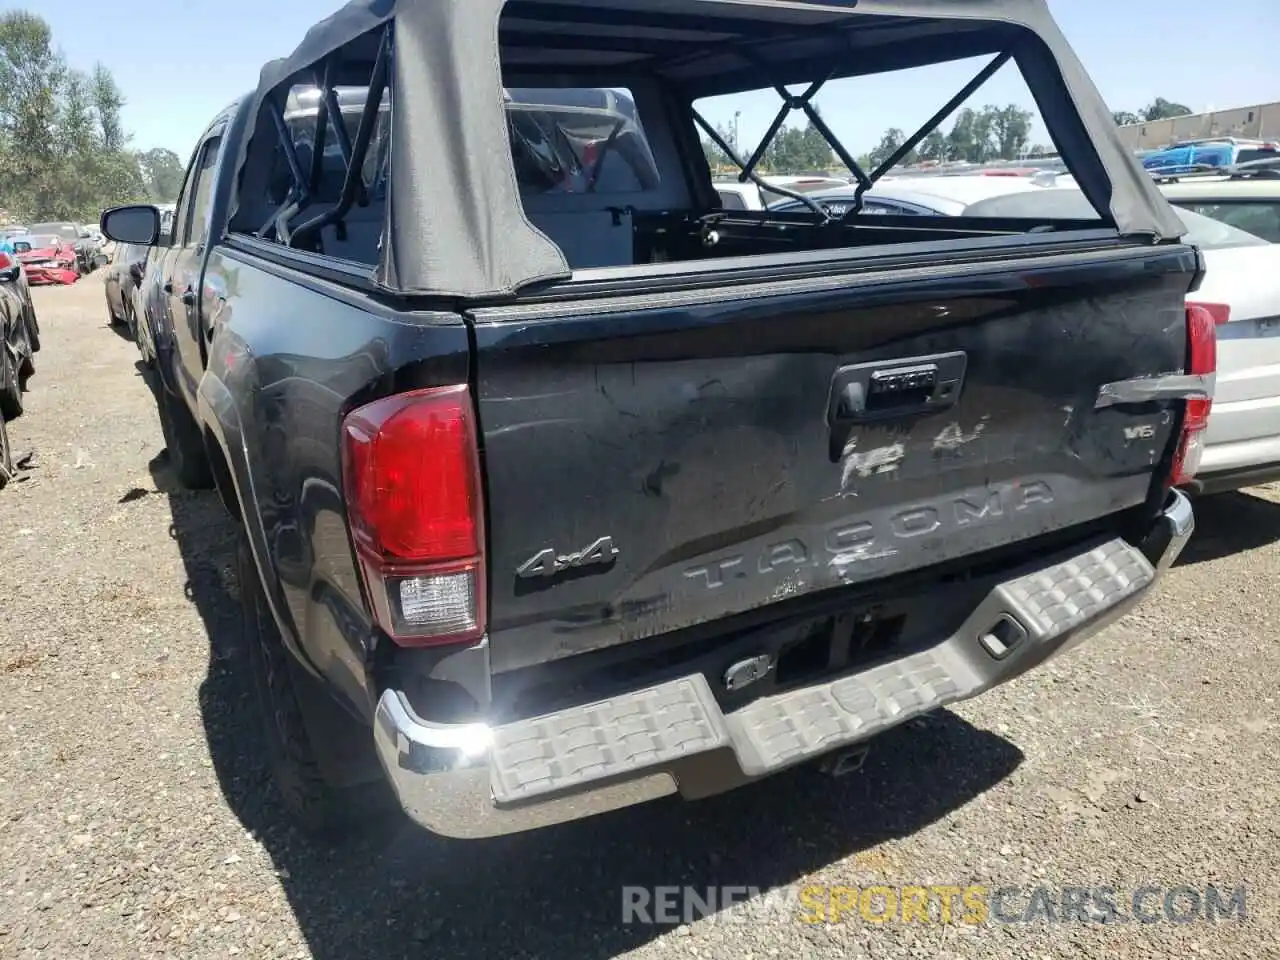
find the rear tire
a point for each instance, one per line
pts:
(27, 368)
(184, 441)
(148, 361)
(318, 806)
(6, 456)
(10, 386)
(33, 329)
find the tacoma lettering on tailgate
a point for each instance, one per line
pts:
(851, 540)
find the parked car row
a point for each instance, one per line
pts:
(53, 252)
(56, 252)
(19, 343)
(122, 280)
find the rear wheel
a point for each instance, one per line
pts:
(33, 328)
(6, 456)
(147, 359)
(10, 386)
(319, 806)
(27, 368)
(185, 444)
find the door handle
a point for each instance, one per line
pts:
(189, 297)
(891, 389)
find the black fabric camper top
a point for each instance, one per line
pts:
(455, 226)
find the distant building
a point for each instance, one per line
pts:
(1261, 121)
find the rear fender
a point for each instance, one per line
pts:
(166, 360)
(218, 416)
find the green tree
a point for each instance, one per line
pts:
(162, 171)
(1124, 118)
(107, 100)
(1010, 128)
(970, 136)
(31, 76)
(797, 150)
(717, 159)
(933, 146)
(889, 143)
(64, 150)
(78, 140)
(1162, 109)
(817, 153)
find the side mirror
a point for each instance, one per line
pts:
(136, 223)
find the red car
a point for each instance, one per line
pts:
(46, 259)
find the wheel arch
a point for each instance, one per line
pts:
(223, 433)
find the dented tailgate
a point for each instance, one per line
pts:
(656, 463)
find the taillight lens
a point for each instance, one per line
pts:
(412, 473)
(1219, 313)
(6, 261)
(1202, 358)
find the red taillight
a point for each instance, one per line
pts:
(412, 474)
(6, 261)
(1220, 313)
(1202, 358)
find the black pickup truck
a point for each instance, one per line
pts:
(562, 487)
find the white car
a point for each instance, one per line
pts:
(1241, 289)
(735, 195)
(928, 196)
(1253, 205)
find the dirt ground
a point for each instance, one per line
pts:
(137, 818)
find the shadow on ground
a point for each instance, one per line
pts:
(121, 330)
(400, 892)
(1230, 523)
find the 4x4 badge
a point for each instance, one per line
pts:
(547, 563)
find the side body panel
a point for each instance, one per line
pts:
(288, 357)
(112, 288)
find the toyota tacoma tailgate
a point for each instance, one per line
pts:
(653, 466)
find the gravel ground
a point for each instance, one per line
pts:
(137, 818)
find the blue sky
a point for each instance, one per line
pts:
(180, 63)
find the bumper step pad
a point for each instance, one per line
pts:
(650, 730)
(617, 738)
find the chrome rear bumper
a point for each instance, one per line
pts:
(477, 780)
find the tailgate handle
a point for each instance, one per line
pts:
(895, 388)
